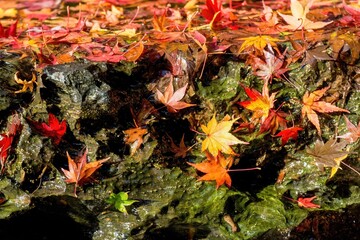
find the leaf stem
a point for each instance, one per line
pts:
(356, 171)
(243, 169)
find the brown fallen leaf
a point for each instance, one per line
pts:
(329, 154)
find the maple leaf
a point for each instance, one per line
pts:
(216, 168)
(271, 67)
(307, 202)
(341, 43)
(79, 172)
(26, 84)
(6, 140)
(218, 137)
(134, 137)
(172, 99)
(288, 133)
(298, 19)
(9, 31)
(258, 43)
(5, 144)
(212, 12)
(311, 105)
(54, 129)
(181, 150)
(329, 154)
(354, 131)
(354, 11)
(269, 15)
(275, 119)
(260, 104)
(120, 201)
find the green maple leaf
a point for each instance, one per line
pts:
(120, 201)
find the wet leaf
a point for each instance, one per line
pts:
(212, 12)
(269, 67)
(80, 171)
(172, 99)
(260, 104)
(134, 52)
(26, 84)
(311, 105)
(120, 201)
(181, 150)
(307, 202)
(288, 133)
(134, 137)
(216, 168)
(345, 42)
(329, 154)
(54, 129)
(218, 138)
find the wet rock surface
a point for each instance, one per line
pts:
(99, 102)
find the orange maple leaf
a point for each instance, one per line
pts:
(260, 104)
(311, 104)
(134, 137)
(216, 168)
(79, 172)
(172, 99)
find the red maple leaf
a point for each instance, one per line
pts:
(5, 144)
(54, 130)
(7, 139)
(306, 202)
(286, 134)
(9, 31)
(275, 120)
(213, 7)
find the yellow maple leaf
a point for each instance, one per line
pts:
(258, 42)
(218, 137)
